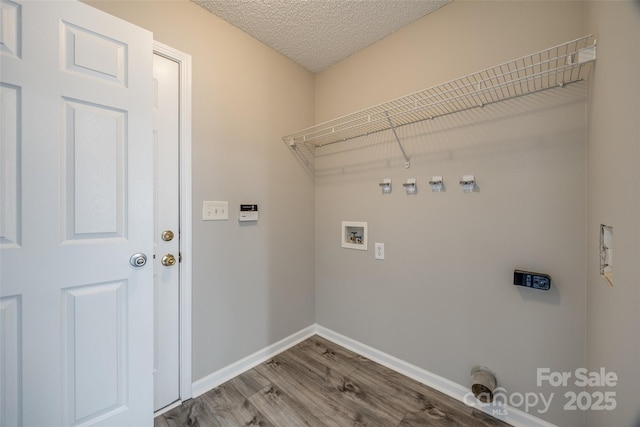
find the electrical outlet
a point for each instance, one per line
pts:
(213, 211)
(379, 250)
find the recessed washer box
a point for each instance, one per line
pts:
(353, 235)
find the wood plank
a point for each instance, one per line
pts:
(160, 421)
(318, 383)
(319, 394)
(482, 419)
(283, 410)
(249, 383)
(191, 413)
(401, 390)
(432, 419)
(321, 404)
(351, 393)
(340, 355)
(231, 408)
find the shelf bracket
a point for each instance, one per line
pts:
(395, 134)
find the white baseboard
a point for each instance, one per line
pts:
(509, 415)
(223, 375)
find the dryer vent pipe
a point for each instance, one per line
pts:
(483, 383)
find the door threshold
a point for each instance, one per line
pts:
(167, 408)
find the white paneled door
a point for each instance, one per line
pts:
(76, 203)
(166, 277)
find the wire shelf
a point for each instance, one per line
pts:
(556, 66)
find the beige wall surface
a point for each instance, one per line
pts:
(252, 284)
(550, 168)
(443, 299)
(613, 316)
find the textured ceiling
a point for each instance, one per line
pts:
(318, 33)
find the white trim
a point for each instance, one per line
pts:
(223, 375)
(513, 416)
(184, 63)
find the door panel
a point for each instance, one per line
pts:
(9, 166)
(94, 170)
(95, 350)
(10, 357)
(94, 54)
(10, 36)
(76, 198)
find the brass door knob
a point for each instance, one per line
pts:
(168, 260)
(167, 235)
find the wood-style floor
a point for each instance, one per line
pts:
(318, 383)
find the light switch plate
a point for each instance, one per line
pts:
(215, 210)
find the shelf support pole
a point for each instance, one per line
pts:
(395, 134)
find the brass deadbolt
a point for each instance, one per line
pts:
(167, 235)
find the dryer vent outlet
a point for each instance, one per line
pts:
(483, 383)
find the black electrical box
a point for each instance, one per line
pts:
(533, 280)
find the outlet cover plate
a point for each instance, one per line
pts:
(215, 210)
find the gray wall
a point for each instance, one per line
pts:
(443, 299)
(614, 177)
(253, 284)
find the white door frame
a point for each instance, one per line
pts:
(184, 64)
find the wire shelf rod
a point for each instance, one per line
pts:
(395, 134)
(552, 67)
(467, 89)
(565, 45)
(438, 116)
(458, 98)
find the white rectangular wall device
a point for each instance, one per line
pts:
(248, 213)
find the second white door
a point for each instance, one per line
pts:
(166, 131)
